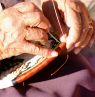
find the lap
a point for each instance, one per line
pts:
(63, 83)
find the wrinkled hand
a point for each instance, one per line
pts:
(19, 25)
(77, 21)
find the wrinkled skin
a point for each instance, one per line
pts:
(77, 20)
(19, 25)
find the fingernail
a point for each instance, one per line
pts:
(54, 54)
(63, 39)
(77, 44)
(68, 50)
(77, 51)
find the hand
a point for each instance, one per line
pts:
(19, 25)
(75, 19)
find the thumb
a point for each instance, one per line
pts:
(36, 19)
(73, 21)
(38, 50)
(30, 48)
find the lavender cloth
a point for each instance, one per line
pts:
(73, 80)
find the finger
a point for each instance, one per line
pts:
(36, 19)
(88, 38)
(30, 48)
(74, 4)
(86, 35)
(13, 49)
(36, 34)
(73, 21)
(38, 50)
(86, 42)
(32, 15)
(85, 25)
(82, 38)
(92, 41)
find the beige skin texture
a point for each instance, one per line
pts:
(76, 17)
(74, 14)
(21, 24)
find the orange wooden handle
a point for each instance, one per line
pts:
(40, 66)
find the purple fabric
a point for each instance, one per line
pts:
(66, 83)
